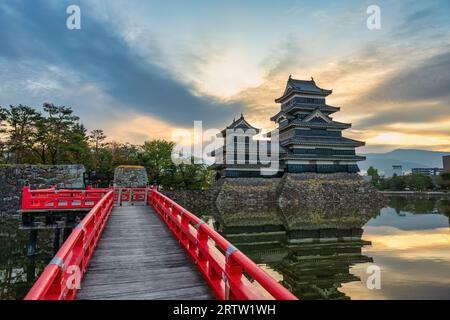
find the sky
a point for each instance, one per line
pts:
(141, 69)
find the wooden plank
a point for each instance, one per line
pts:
(138, 258)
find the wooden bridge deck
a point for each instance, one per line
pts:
(138, 258)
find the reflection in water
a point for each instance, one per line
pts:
(25, 250)
(310, 253)
(317, 255)
(411, 244)
(409, 241)
(312, 270)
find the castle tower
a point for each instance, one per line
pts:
(311, 140)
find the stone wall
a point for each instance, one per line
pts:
(295, 201)
(248, 202)
(328, 201)
(14, 177)
(130, 177)
(199, 202)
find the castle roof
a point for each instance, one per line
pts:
(301, 123)
(323, 141)
(302, 87)
(304, 107)
(240, 123)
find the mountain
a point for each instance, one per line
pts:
(407, 158)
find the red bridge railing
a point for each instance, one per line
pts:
(222, 265)
(60, 279)
(226, 269)
(131, 195)
(52, 199)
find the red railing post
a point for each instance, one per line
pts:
(202, 246)
(233, 273)
(26, 197)
(184, 230)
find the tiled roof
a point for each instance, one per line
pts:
(241, 123)
(302, 86)
(322, 157)
(308, 140)
(300, 123)
(305, 107)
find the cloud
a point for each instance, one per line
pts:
(430, 80)
(35, 31)
(124, 68)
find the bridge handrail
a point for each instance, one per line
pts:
(223, 269)
(60, 279)
(131, 195)
(52, 199)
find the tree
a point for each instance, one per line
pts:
(3, 118)
(60, 125)
(123, 154)
(156, 157)
(101, 157)
(97, 138)
(194, 176)
(418, 182)
(190, 176)
(77, 148)
(444, 180)
(372, 172)
(21, 130)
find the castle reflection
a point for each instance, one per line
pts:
(314, 254)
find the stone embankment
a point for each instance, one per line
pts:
(14, 177)
(295, 201)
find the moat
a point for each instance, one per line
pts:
(409, 240)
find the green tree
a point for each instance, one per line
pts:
(190, 176)
(61, 124)
(444, 180)
(77, 149)
(123, 154)
(21, 131)
(372, 172)
(156, 157)
(101, 155)
(97, 138)
(417, 182)
(3, 118)
(41, 141)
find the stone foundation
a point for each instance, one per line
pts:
(295, 201)
(328, 201)
(14, 177)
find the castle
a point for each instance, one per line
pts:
(309, 140)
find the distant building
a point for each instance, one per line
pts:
(427, 171)
(446, 162)
(397, 170)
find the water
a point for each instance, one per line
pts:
(409, 241)
(20, 262)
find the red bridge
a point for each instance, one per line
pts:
(130, 246)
